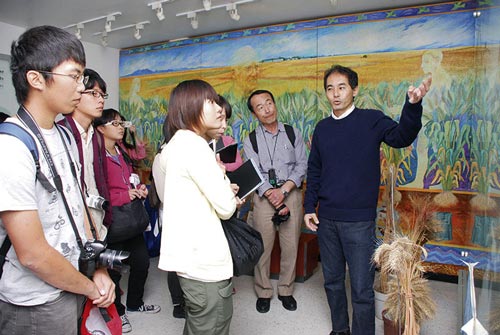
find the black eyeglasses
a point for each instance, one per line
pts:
(79, 78)
(96, 94)
(116, 123)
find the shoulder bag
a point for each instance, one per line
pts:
(245, 244)
(129, 220)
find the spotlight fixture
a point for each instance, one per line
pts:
(109, 19)
(229, 6)
(137, 31)
(104, 39)
(138, 28)
(158, 7)
(78, 31)
(207, 4)
(107, 27)
(233, 11)
(159, 13)
(194, 19)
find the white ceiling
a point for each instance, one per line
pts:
(62, 13)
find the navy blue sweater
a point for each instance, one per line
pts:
(343, 174)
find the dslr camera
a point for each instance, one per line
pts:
(95, 254)
(279, 219)
(97, 202)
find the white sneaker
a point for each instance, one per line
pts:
(150, 309)
(126, 326)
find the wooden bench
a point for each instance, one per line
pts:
(307, 257)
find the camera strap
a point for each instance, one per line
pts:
(28, 121)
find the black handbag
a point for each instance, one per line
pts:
(129, 220)
(245, 244)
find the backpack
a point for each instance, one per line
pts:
(153, 198)
(289, 132)
(20, 133)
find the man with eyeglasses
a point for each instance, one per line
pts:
(279, 150)
(91, 150)
(41, 288)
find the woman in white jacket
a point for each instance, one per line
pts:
(197, 195)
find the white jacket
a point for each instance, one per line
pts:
(196, 196)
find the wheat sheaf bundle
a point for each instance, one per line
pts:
(401, 260)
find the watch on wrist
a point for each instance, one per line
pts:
(285, 193)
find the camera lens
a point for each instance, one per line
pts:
(113, 259)
(104, 204)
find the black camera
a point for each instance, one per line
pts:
(95, 254)
(279, 219)
(272, 178)
(97, 202)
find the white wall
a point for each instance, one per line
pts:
(103, 60)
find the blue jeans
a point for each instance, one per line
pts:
(353, 243)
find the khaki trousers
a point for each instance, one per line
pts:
(209, 306)
(289, 233)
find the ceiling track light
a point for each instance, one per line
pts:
(138, 28)
(79, 25)
(158, 8)
(104, 39)
(194, 19)
(233, 11)
(137, 31)
(229, 6)
(207, 4)
(78, 31)
(109, 19)
(159, 13)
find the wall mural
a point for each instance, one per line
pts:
(456, 157)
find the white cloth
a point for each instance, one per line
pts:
(158, 172)
(197, 195)
(19, 192)
(89, 177)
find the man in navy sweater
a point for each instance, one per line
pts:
(343, 178)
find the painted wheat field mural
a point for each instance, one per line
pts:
(456, 155)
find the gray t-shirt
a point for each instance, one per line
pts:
(19, 192)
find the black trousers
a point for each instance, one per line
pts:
(175, 288)
(139, 266)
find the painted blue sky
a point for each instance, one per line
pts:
(423, 32)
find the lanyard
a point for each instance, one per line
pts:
(267, 147)
(28, 121)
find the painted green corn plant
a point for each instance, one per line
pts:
(449, 134)
(485, 146)
(148, 121)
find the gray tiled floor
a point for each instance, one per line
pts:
(311, 317)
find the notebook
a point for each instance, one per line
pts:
(228, 153)
(247, 177)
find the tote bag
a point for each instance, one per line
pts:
(245, 244)
(129, 220)
(102, 321)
